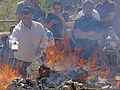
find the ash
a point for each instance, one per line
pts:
(69, 79)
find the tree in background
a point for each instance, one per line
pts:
(7, 12)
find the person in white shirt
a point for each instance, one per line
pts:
(31, 39)
(94, 14)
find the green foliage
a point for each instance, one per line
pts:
(46, 4)
(43, 3)
(7, 10)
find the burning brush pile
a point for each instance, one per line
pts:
(64, 69)
(46, 79)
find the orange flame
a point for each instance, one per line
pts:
(7, 74)
(58, 57)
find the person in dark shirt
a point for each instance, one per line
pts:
(38, 12)
(69, 10)
(87, 32)
(106, 9)
(56, 21)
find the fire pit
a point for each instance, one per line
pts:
(60, 80)
(64, 70)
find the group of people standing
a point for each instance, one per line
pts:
(35, 31)
(97, 31)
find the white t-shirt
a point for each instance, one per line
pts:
(28, 40)
(94, 13)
